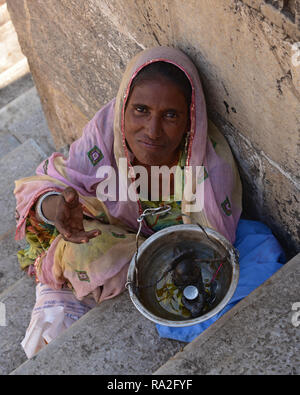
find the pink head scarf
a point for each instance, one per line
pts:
(222, 188)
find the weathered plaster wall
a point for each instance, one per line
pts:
(77, 51)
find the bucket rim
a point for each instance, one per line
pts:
(234, 280)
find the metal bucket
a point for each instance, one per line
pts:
(153, 259)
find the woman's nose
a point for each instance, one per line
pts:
(154, 127)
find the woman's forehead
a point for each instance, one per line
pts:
(158, 91)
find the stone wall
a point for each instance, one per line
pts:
(77, 51)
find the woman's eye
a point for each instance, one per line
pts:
(141, 109)
(171, 115)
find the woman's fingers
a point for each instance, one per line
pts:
(70, 235)
(93, 233)
(69, 219)
(77, 236)
(63, 230)
(83, 237)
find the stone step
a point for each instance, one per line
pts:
(18, 163)
(13, 64)
(18, 291)
(112, 338)
(260, 335)
(8, 244)
(24, 119)
(10, 51)
(8, 142)
(4, 15)
(19, 300)
(13, 73)
(10, 271)
(14, 89)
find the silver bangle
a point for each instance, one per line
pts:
(39, 207)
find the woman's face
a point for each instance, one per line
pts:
(156, 119)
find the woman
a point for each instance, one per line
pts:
(81, 243)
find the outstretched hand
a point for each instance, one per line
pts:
(69, 218)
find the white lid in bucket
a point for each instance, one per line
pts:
(190, 292)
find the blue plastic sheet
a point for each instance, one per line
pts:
(260, 256)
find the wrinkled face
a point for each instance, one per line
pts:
(156, 119)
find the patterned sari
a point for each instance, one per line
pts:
(100, 266)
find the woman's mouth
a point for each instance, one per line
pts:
(150, 145)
